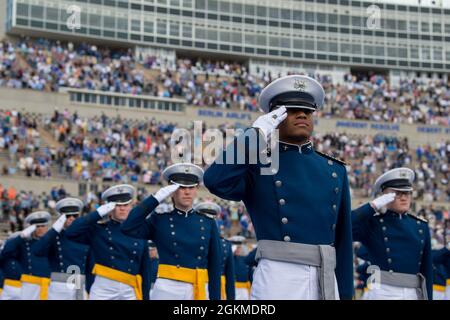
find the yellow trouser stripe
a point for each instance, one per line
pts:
(134, 281)
(12, 283)
(244, 285)
(198, 277)
(40, 281)
(448, 282)
(223, 283)
(437, 287)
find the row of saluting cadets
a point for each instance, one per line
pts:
(301, 213)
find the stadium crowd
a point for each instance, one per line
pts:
(47, 66)
(136, 151)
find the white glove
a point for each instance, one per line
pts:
(59, 223)
(163, 193)
(103, 210)
(27, 232)
(380, 203)
(269, 122)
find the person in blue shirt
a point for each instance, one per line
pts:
(122, 263)
(398, 242)
(35, 276)
(227, 279)
(12, 273)
(67, 258)
(188, 243)
(298, 198)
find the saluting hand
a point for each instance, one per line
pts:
(163, 193)
(27, 232)
(103, 210)
(269, 122)
(380, 203)
(59, 223)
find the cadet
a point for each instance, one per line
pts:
(442, 257)
(300, 212)
(439, 275)
(154, 261)
(122, 264)
(227, 278)
(242, 269)
(66, 257)
(397, 241)
(12, 271)
(362, 270)
(251, 262)
(188, 243)
(35, 278)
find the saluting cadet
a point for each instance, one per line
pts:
(300, 212)
(442, 257)
(122, 263)
(66, 257)
(35, 278)
(188, 243)
(227, 278)
(439, 275)
(242, 269)
(397, 241)
(12, 271)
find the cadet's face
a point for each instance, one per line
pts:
(298, 126)
(40, 231)
(153, 253)
(69, 219)
(184, 197)
(402, 202)
(121, 211)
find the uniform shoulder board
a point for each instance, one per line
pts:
(209, 216)
(417, 217)
(331, 158)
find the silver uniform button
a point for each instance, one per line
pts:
(336, 190)
(173, 233)
(284, 220)
(334, 174)
(388, 250)
(282, 202)
(202, 237)
(199, 258)
(384, 228)
(201, 220)
(334, 227)
(330, 162)
(334, 207)
(287, 238)
(381, 220)
(202, 248)
(274, 171)
(389, 260)
(386, 239)
(278, 183)
(171, 225)
(420, 231)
